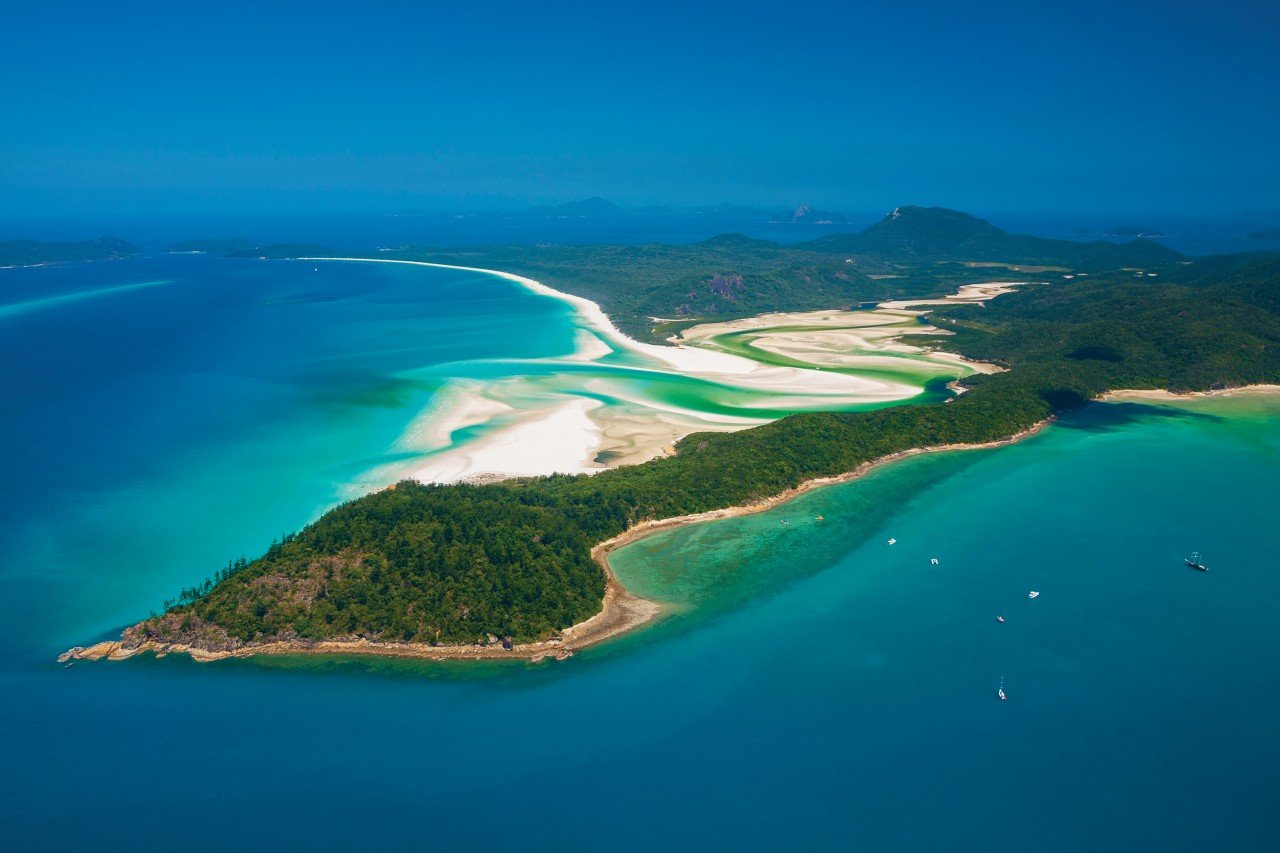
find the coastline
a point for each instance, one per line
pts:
(621, 611)
(1172, 396)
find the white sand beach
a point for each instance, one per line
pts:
(869, 340)
(533, 428)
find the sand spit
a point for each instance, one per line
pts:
(867, 340)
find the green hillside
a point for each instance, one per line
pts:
(921, 234)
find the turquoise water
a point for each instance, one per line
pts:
(246, 395)
(813, 686)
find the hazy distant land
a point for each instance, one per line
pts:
(26, 253)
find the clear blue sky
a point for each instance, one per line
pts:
(1040, 107)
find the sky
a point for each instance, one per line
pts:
(202, 108)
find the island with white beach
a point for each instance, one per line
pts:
(489, 536)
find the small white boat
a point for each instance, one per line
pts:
(1000, 619)
(1000, 689)
(1033, 594)
(786, 523)
(933, 561)
(892, 542)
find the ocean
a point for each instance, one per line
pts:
(812, 685)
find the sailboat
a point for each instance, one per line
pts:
(1195, 562)
(1000, 690)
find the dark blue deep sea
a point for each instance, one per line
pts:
(812, 687)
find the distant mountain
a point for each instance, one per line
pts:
(912, 234)
(805, 213)
(1266, 234)
(23, 253)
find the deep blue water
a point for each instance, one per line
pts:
(817, 687)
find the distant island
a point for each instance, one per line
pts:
(1266, 234)
(28, 253)
(519, 568)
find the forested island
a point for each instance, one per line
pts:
(439, 566)
(26, 253)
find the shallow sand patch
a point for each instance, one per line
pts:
(522, 441)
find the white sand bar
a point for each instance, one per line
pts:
(531, 427)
